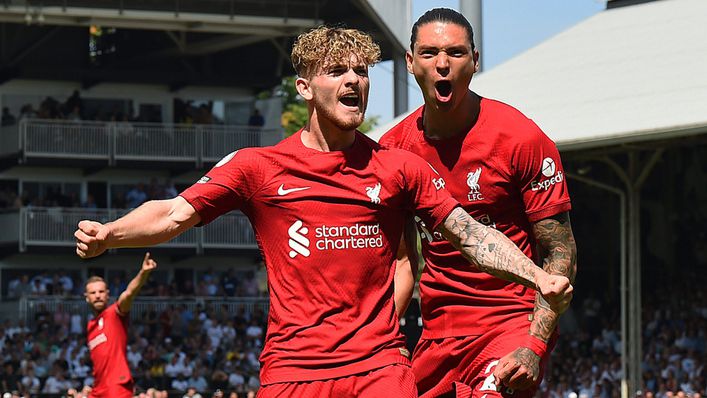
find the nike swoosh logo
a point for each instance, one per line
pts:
(282, 191)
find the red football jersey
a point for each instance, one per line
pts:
(328, 225)
(107, 336)
(507, 174)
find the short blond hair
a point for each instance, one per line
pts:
(325, 45)
(95, 278)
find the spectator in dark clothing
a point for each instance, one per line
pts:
(256, 119)
(229, 283)
(9, 380)
(7, 118)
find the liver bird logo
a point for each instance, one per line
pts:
(472, 180)
(373, 193)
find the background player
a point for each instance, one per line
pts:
(479, 330)
(327, 205)
(107, 333)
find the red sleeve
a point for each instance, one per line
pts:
(537, 168)
(428, 198)
(227, 186)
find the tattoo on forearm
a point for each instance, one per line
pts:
(558, 248)
(488, 249)
(526, 357)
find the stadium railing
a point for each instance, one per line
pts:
(113, 142)
(55, 226)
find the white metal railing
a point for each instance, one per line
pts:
(111, 141)
(55, 226)
(67, 139)
(29, 306)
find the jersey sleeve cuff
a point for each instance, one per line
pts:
(442, 212)
(198, 204)
(550, 211)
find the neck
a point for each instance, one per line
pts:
(442, 124)
(324, 136)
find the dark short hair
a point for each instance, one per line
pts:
(442, 15)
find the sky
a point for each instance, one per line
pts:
(509, 28)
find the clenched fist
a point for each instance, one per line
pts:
(556, 290)
(91, 238)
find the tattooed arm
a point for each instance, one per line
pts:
(521, 368)
(559, 253)
(495, 254)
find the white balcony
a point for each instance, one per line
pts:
(112, 143)
(55, 226)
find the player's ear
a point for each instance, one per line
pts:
(476, 56)
(304, 88)
(408, 60)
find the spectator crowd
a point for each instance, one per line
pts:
(208, 348)
(203, 348)
(587, 359)
(75, 108)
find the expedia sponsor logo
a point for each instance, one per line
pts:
(439, 183)
(333, 237)
(544, 185)
(96, 341)
(548, 167)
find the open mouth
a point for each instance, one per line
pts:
(351, 100)
(444, 88)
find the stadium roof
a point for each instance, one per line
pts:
(627, 74)
(221, 43)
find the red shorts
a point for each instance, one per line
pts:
(392, 381)
(118, 391)
(463, 366)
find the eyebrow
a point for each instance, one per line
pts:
(448, 48)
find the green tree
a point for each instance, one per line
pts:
(295, 115)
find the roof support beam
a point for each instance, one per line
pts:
(156, 20)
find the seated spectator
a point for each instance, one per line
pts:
(180, 383)
(30, 382)
(192, 393)
(256, 119)
(136, 196)
(197, 381)
(28, 112)
(7, 118)
(56, 383)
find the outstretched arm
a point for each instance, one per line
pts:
(153, 222)
(405, 268)
(493, 253)
(521, 368)
(125, 300)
